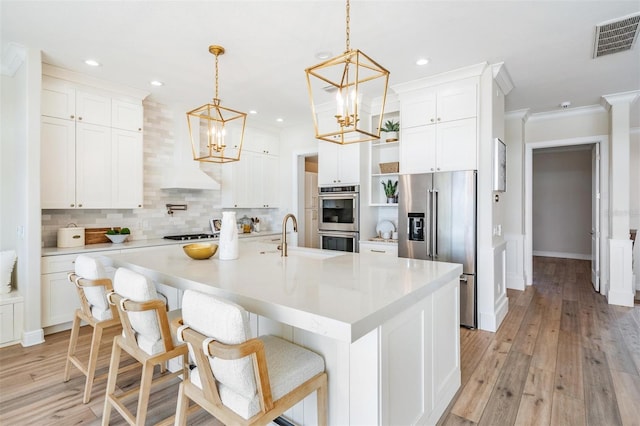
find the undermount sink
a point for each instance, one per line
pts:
(305, 252)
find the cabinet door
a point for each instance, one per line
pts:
(93, 108)
(126, 115)
(348, 159)
(6, 323)
(58, 164)
(93, 166)
(59, 299)
(327, 163)
(126, 172)
(417, 150)
(456, 146)
(58, 101)
(269, 181)
(457, 101)
(420, 111)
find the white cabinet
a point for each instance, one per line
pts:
(11, 317)
(92, 153)
(444, 147)
(439, 129)
(58, 295)
(338, 164)
(261, 141)
(378, 248)
(251, 182)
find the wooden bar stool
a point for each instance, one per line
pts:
(92, 284)
(146, 337)
(231, 379)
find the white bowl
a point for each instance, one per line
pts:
(117, 238)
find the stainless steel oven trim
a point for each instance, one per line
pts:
(341, 234)
(330, 226)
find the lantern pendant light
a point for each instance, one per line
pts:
(343, 91)
(216, 132)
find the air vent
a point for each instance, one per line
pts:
(616, 36)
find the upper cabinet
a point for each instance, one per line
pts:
(92, 147)
(439, 128)
(338, 164)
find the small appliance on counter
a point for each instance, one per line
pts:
(71, 236)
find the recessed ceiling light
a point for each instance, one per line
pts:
(253, 111)
(279, 120)
(92, 63)
(422, 61)
(323, 55)
(156, 83)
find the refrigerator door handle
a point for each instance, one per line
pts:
(429, 218)
(434, 223)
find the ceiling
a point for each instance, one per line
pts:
(546, 46)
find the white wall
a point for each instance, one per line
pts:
(634, 200)
(562, 203)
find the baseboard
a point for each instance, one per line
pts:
(31, 338)
(491, 321)
(620, 298)
(562, 255)
(515, 282)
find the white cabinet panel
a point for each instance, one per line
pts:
(58, 163)
(127, 171)
(93, 166)
(417, 150)
(456, 147)
(58, 101)
(126, 115)
(93, 108)
(251, 182)
(6, 323)
(338, 164)
(378, 249)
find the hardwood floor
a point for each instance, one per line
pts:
(562, 356)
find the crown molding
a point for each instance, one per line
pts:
(502, 77)
(445, 77)
(78, 78)
(619, 98)
(519, 114)
(13, 56)
(570, 112)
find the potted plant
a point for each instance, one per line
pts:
(118, 235)
(390, 190)
(391, 129)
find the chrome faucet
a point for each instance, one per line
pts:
(284, 231)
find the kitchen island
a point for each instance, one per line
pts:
(388, 328)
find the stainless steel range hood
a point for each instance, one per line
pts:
(185, 173)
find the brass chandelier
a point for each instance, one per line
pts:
(216, 132)
(354, 81)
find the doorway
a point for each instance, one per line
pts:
(306, 198)
(594, 235)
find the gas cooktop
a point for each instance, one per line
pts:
(189, 237)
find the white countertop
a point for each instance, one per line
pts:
(89, 248)
(335, 294)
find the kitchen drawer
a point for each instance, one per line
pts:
(66, 262)
(378, 248)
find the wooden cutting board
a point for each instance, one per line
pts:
(96, 235)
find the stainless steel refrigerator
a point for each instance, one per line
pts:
(437, 221)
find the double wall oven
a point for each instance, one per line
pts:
(338, 217)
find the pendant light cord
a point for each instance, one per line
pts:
(348, 28)
(216, 78)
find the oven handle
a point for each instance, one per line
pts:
(338, 195)
(338, 233)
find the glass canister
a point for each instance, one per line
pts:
(228, 237)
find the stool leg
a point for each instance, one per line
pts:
(321, 395)
(145, 391)
(73, 342)
(183, 405)
(93, 360)
(114, 365)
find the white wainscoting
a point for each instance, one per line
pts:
(620, 282)
(515, 261)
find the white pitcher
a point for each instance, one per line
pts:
(228, 237)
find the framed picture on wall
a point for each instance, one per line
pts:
(216, 224)
(499, 166)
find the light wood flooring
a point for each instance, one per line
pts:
(562, 356)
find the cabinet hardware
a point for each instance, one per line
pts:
(72, 116)
(80, 118)
(71, 205)
(79, 205)
(377, 251)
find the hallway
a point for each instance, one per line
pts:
(562, 356)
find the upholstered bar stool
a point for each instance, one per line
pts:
(237, 379)
(92, 284)
(146, 337)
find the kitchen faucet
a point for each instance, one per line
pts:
(284, 231)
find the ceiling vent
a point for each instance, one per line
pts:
(616, 36)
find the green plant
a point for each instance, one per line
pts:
(390, 188)
(391, 126)
(123, 231)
